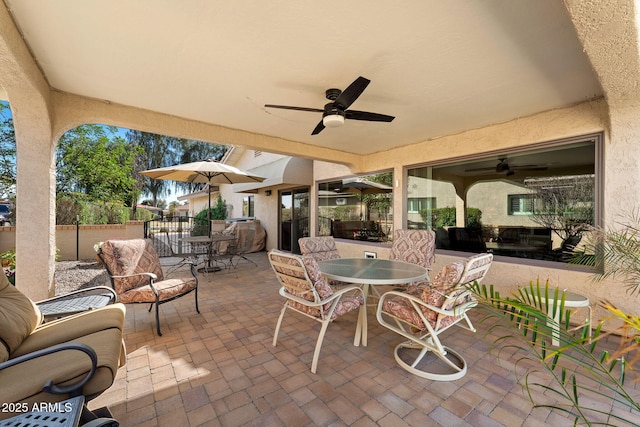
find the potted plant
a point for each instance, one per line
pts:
(8, 260)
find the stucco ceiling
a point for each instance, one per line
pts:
(440, 67)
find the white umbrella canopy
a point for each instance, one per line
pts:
(364, 186)
(208, 171)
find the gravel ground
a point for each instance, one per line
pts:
(73, 275)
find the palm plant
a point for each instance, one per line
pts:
(616, 252)
(584, 375)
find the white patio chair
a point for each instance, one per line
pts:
(308, 293)
(423, 312)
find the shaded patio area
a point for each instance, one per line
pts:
(218, 368)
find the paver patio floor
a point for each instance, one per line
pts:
(218, 368)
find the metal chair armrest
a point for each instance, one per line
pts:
(416, 302)
(151, 275)
(73, 389)
(336, 295)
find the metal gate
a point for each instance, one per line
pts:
(167, 234)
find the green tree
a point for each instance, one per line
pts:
(156, 151)
(160, 151)
(88, 161)
(565, 204)
(7, 152)
(446, 217)
(381, 202)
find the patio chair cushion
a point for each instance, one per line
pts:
(347, 302)
(322, 288)
(473, 263)
(167, 289)
(414, 246)
(19, 316)
(321, 248)
(436, 293)
(127, 257)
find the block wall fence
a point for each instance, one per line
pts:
(73, 242)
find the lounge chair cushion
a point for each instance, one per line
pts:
(71, 328)
(68, 366)
(167, 289)
(127, 257)
(19, 316)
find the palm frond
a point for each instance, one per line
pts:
(581, 371)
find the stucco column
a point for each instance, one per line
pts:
(622, 185)
(35, 195)
(399, 197)
(29, 96)
(608, 31)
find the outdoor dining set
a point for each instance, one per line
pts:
(323, 286)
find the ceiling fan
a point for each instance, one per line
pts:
(336, 111)
(503, 166)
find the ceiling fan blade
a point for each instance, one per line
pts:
(286, 107)
(529, 168)
(318, 128)
(365, 115)
(351, 93)
(524, 166)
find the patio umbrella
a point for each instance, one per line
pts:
(363, 186)
(207, 171)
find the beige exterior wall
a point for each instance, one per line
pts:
(267, 207)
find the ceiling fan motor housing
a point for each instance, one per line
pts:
(332, 94)
(332, 116)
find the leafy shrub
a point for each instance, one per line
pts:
(446, 217)
(218, 211)
(70, 207)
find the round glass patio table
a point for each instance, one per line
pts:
(370, 272)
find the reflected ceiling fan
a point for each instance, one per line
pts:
(503, 166)
(336, 111)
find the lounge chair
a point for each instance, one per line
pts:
(137, 277)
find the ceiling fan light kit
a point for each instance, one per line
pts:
(336, 111)
(333, 120)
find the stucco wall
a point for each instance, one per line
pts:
(506, 273)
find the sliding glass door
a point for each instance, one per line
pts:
(294, 218)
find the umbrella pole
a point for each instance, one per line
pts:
(209, 211)
(208, 268)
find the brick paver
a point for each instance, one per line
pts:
(219, 368)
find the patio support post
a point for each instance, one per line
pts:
(22, 84)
